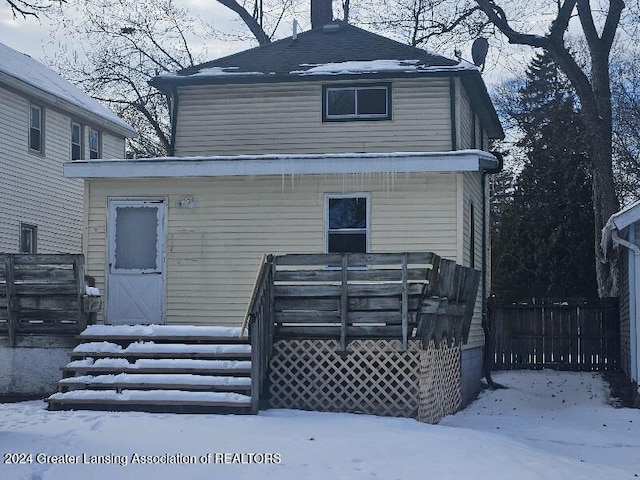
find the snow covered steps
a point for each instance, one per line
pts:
(157, 368)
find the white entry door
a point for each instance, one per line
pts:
(135, 289)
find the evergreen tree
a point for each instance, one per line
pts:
(544, 244)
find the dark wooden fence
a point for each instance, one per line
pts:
(570, 335)
(43, 294)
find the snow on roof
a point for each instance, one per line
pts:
(618, 221)
(160, 331)
(213, 72)
(375, 66)
(31, 72)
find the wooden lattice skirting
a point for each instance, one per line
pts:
(375, 377)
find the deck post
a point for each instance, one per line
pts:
(255, 334)
(344, 303)
(405, 304)
(12, 314)
(78, 273)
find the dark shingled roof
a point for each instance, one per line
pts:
(333, 43)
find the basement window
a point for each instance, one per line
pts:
(356, 102)
(347, 223)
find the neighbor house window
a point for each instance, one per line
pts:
(356, 102)
(28, 238)
(347, 223)
(36, 137)
(95, 140)
(76, 141)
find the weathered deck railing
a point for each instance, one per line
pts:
(43, 294)
(351, 296)
(259, 318)
(355, 296)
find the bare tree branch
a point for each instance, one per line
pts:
(31, 9)
(249, 20)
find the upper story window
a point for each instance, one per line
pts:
(95, 143)
(76, 141)
(28, 238)
(347, 223)
(356, 102)
(36, 131)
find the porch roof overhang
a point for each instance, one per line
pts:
(617, 223)
(262, 165)
(625, 217)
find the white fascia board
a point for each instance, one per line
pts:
(120, 127)
(459, 161)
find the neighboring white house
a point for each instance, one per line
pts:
(623, 231)
(45, 121)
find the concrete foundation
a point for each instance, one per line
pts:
(30, 371)
(471, 374)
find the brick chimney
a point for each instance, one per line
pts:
(321, 13)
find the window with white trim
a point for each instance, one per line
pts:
(95, 143)
(28, 238)
(356, 102)
(76, 141)
(36, 122)
(347, 223)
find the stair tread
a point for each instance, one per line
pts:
(161, 350)
(164, 333)
(169, 380)
(152, 397)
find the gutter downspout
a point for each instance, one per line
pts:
(486, 357)
(174, 121)
(633, 328)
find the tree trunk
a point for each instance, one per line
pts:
(605, 203)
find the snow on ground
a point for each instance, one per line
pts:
(547, 425)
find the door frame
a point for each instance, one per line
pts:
(163, 252)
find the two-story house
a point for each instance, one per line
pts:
(44, 122)
(332, 140)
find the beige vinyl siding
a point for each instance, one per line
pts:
(287, 118)
(213, 250)
(472, 193)
(479, 133)
(33, 189)
(465, 118)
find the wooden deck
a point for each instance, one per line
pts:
(315, 300)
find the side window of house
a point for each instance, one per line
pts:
(76, 141)
(36, 128)
(347, 223)
(95, 143)
(356, 102)
(28, 238)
